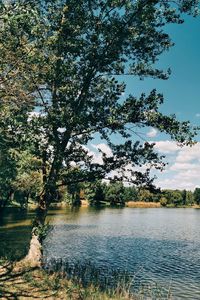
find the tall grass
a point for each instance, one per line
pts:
(142, 204)
(111, 282)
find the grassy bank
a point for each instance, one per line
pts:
(140, 204)
(17, 282)
(20, 282)
(181, 206)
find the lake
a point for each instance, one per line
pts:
(158, 247)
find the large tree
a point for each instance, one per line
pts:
(64, 57)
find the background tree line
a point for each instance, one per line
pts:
(23, 183)
(117, 193)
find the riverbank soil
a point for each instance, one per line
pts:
(19, 282)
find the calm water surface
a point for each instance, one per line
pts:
(159, 245)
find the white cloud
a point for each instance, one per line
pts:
(183, 171)
(104, 148)
(182, 179)
(166, 147)
(61, 129)
(197, 115)
(152, 133)
(187, 153)
(175, 183)
(97, 156)
(97, 159)
(189, 175)
(184, 166)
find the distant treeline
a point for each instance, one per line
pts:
(117, 193)
(98, 193)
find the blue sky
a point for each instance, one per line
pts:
(182, 97)
(182, 89)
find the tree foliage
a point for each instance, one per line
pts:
(197, 195)
(11, 141)
(115, 193)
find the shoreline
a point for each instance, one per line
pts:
(18, 281)
(128, 204)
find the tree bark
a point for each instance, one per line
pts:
(34, 256)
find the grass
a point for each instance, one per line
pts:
(141, 204)
(22, 282)
(113, 284)
(29, 283)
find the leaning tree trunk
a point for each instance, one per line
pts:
(34, 256)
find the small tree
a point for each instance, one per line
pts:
(74, 190)
(115, 193)
(177, 197)
(163, 201)
(28, 181)
(184, 197)
(197, 195)
(99, 194)
(189, 198)
(174, 197)
(130, 194)
(145, 195)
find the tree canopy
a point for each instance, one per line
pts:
(60, 64)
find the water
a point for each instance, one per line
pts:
(15, 233)
(157, 246)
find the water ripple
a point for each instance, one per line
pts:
(154, 245)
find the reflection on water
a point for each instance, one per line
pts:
(15, 233)
(154, 245)
(157, 245)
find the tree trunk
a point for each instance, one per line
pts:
(34, 256)
(42, 210)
